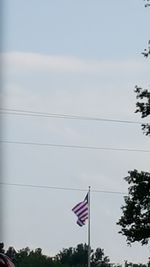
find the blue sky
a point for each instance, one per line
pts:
(82, 58)
(99, 29)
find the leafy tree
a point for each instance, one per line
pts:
(11, 253)
(26, 257)
(68, 257)
(81, 254)
(2, 248)
(74, 256)
(144, 106)
(146, 51)
(135, 221)
(78, 257)
(98, 259)
(130, 264)
(147, 3)
(65, 256)
(144, 94)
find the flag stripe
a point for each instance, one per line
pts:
(80, 223)
(81, 211)
(84, 216)
(79, 206)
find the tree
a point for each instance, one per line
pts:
(146, 51)
(2, 248)
(98, 259)
(144, 94)
(143, 107)
(135, 221)
(33, 258)
(11, 253)
(78, 257)
(74, 256)
(147, 3)
(130, 264)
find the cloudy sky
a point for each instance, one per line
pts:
(80, 58)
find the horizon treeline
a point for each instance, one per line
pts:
(67, 257)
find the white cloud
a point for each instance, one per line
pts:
(43, 62)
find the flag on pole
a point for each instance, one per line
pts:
(81, 210)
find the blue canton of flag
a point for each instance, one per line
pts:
(81, 210)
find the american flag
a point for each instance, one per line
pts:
(81, 210)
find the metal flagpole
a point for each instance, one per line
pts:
(89, 246)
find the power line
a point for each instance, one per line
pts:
(21, 112)
(61, 188)
(74, 146)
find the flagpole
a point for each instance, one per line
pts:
(89, 246)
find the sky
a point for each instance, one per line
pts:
(79, 58)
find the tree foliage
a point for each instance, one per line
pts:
(144, 94)
(143, 106)
(68, 257)
(26, 257)
(2, 248)
(135, 221)
(130, 264)
(147, 3)
(146, 51)
(98, 259)
(78, 257)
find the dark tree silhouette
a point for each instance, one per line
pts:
(135, 221)
(78, 257)
(2, 248)
(143, 106)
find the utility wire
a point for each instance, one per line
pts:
(61, 188)
(74, 146)
(29, 113)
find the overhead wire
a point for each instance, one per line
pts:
(29, 113)
(21, 112)
(74, 146)
(61, 188)
(67, 116)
